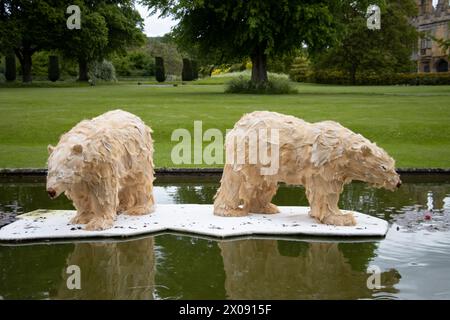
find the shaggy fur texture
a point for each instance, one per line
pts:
(321, 156)
(105, 166)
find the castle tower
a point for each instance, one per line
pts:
(425, 7)
(432, 22)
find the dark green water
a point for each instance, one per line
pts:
(414, 258)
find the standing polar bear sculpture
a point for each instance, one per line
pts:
(105, 166)
(322, 157)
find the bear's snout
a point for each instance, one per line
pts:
(51, 193)
(399, 184)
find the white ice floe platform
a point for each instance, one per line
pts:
(188, 218)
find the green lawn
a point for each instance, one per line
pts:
(411, 123)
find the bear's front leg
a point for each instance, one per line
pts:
(97, 224)
(262, 195)
(227, 201)
(323, 200)
(82, 204)
(82, 218)
(104, 208)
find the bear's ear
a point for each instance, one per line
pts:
(77, 149)
(50, 149)
(361, 148)
(365, 150)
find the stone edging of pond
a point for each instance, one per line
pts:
(197, 171)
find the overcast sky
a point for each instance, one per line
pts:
(153, 25)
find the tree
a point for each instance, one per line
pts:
(252, 28)
(107, 26)
(86, 44)
(360, 49)
(166, 48)
(28, 26)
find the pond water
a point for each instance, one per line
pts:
(414, 258)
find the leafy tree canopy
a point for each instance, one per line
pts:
(361, 49)
(239, 29)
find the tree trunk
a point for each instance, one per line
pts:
(24, 55)
(210, 71)
(82, 70)
(26, 67)
(259, 66)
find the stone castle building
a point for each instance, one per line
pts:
(433, 21)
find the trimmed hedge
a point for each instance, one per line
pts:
(160, 73)
(53, 68)
(340, 78)
(186, 73)
(194, 70)
(10, 67)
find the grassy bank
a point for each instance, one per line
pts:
(411, 123)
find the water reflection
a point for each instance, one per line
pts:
(270, 269)
(109, 270)
(182, 267)
(117, 270)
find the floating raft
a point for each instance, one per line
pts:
(191, 219)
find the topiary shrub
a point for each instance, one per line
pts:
(160, 73)
(194, 70)
(186, 73)
(10, 67)
(53, 68)
(273, 86)
(103, 70)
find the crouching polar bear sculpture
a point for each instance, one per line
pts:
(105, 166)
(322, 157)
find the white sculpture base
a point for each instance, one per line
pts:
(189, 218)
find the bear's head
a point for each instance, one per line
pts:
(64, 166)
(371, 164)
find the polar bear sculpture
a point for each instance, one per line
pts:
(322, 156)
(105, 166)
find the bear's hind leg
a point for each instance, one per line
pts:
(137, 200)
(227, 201)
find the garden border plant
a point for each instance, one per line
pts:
(272, 86)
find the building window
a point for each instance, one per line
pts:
(442, 66)
(423, 43)
(426, 67)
